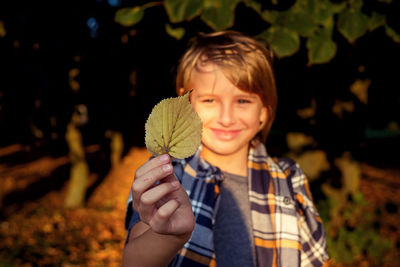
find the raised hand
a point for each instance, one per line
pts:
(160, 200)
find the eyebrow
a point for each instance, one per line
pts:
(246, 96)
(253, 96)
(202, 95)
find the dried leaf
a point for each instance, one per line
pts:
(173, 127)
(360, 89)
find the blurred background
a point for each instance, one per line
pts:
(79, 78)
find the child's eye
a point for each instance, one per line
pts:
(208, 100)
(243, 101)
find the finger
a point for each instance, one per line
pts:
(152, 199)
(145, 182)
(151, 196)
(153, 163)
(158, 221)
(169, 178)
(155, 194)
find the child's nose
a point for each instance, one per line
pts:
(226, 116)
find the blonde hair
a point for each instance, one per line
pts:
(245, 62)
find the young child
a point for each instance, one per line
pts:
(230, 204)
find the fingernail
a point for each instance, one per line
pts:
(166, 167)
(175, 183)
(164, 158)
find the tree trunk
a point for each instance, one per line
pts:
(79, 169)
(116, 148)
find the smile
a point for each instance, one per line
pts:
(225, 135)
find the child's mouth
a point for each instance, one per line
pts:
(224, 134)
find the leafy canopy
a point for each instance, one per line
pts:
(312, 20)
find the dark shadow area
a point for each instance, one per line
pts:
(381, 153)
(100, 164)
(32, 153)
(14, 201)
(276, 143)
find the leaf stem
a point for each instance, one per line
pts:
(151, 4)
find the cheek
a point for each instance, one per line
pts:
(196, 108)
(206, 117)
(206, 114)
(251, 118)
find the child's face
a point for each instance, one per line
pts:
(231, 117)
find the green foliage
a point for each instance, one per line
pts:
(180, 10)
(355, 4)
(283, 41)
(321, 47)
(356, 236)
(300, 19)
(302, 23)
(325, 11)
(129, 16)
(177, 33)
(392, 34)
(347, 245)
(271, 16)
(352, 24)
(313, 20)
(350, 224)
(376, 20)
(219, 14)
(132, 15)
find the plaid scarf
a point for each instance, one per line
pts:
(287, 229)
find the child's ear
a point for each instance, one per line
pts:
(263, 117)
